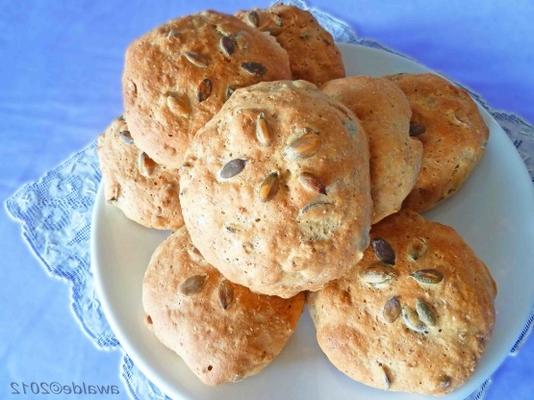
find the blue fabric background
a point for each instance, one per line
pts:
(60, 85)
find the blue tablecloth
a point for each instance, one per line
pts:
(60, 86)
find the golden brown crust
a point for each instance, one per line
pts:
(145, 192)
(177, 76)
(296, 212)
(312, 52)
(222, 331)
(384, 113)
(454, 137)
(353, 328)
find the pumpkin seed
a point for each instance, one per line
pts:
(254, 68)
(315, 205)
(387, 377)
(126, 137)
(229, 91)
(377, 274)
(305, 146)
(227, 45)
(145, 164)
(226, 294)
(232, 168)
(351, 127)
(411, 320)
(427, 276)
(269, 187)
(278, 20)
(193, 284)
(383, 251)
(425, 312)
(222, 30)
(273, 25)
(263, 134)
(194, 255)
(196, 59)
(204, 90)
(392, 309)
(178, 104)
(416, 128)
(311, 182)
(253, 19)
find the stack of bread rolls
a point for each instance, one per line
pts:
(285, 182)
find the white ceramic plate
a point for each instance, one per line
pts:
(494, 212)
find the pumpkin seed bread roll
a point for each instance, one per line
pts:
(180, 74)
(275, 189)
(313, 55)
(454, 136)
(222, 331)
(144, 191)
(384, 113)
(415, 315)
